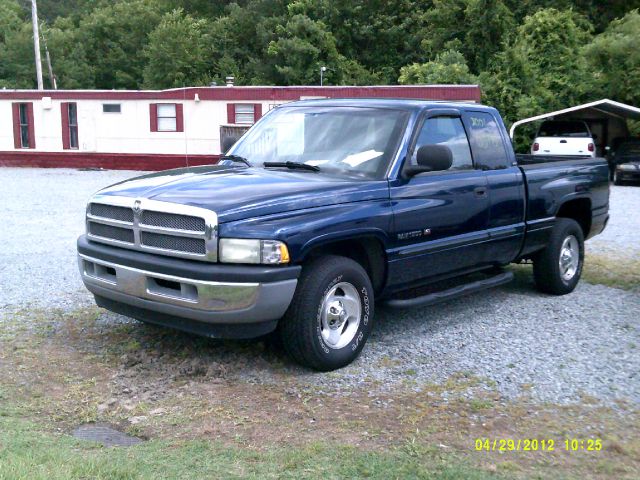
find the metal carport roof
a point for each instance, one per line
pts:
(609, 107)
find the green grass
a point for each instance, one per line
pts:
(27, 453)
(623, 273)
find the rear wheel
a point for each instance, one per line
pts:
(330, 317)
(558, 267)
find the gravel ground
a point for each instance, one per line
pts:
(555, 349)
(42, 216)
(622, 235)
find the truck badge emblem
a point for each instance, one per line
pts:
(137, 207)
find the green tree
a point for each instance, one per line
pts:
(444, 27)
(542, 69)
(178, 52)
(300, 47)
(489, 24)
(115, 37)
(544, 63)
(68, 56)
(380, 35)
(17, 64)
(448, 67)
(616, 57)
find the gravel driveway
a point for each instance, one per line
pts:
(521, 342)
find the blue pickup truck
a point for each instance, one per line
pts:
(326, 208)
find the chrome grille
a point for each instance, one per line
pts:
(152, 226)
(113, 233)
(170, 220)
(122, 214)
(171, 242)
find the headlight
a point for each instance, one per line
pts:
(625, 166)
(240, 250)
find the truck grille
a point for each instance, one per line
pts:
(170, 220)
(152, 226)
(170, 242)
(112, 233)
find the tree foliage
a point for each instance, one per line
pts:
(615, 55)
(528, 55)
(449, 67)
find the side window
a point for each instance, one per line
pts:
(486, 141)
(446, 131)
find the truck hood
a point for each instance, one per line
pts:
(239, 193)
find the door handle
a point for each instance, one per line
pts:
(480, 191)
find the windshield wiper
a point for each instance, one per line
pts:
(236, 158)
(292, 165)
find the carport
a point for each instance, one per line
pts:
(606, 118)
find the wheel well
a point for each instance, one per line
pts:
(580, 211)
(367, 251)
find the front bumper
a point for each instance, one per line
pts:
(208, 299)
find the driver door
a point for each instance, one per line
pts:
(440, 218)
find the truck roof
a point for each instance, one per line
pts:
(396, 103)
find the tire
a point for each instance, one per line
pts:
(331, 290)
(558, 267)
(616, 181)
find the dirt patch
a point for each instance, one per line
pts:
(154, 383)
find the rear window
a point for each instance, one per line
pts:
(564, 129)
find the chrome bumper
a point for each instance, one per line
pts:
(203, 301)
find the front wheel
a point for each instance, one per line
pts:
(331, 314)
(558, 267)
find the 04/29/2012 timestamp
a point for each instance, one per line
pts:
(538, 445)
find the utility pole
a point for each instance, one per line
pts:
(36, 43)
(52, 77)
(322, 70)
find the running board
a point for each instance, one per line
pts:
(454, 292)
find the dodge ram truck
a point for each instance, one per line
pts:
(324, 209)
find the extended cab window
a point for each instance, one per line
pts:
(486, 141)
(446, 131)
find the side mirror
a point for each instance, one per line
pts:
(431, 158)
(227, 143)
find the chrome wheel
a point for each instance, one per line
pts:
(340, 315)
(569, 258)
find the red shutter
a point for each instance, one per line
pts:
(231, 113)
(153, 117)
(32, 134)
(179, 118)
(257, 112)
(16, 125)
(64, 112)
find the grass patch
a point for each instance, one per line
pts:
(29, 454)
(612, 271)
(615, 272)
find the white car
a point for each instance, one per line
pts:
(564, 138)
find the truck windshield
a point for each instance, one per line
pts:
(348, 141)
